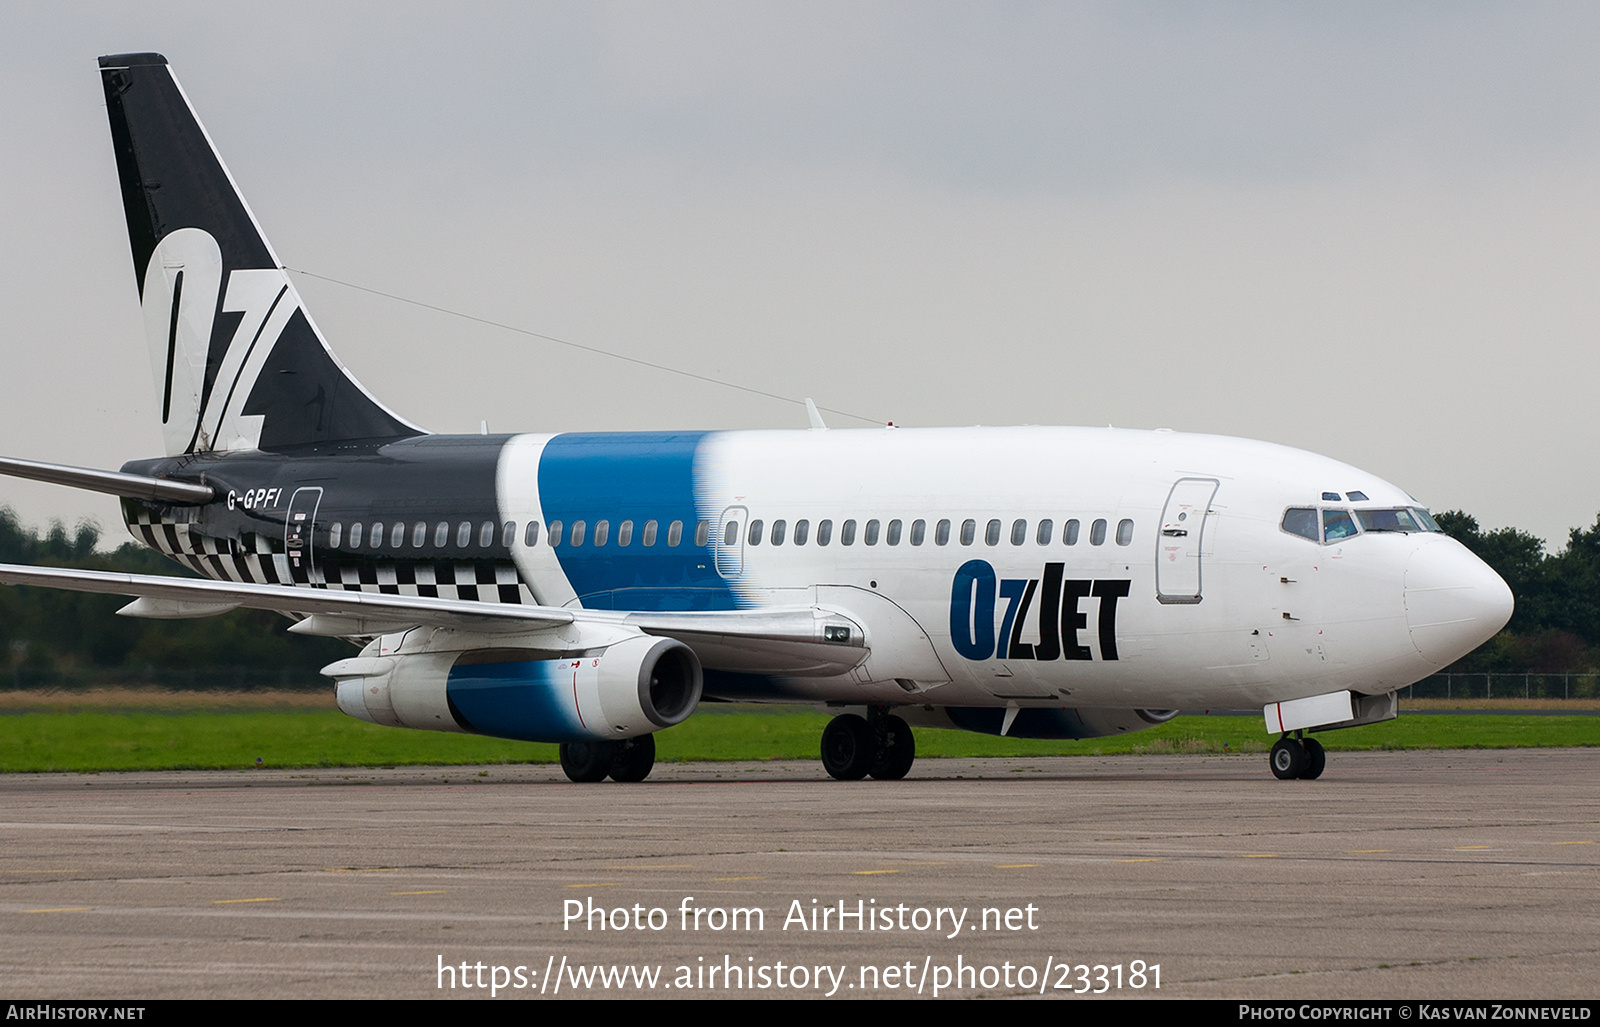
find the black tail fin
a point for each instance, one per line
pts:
(238, 362)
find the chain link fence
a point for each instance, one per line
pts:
(1504, 686)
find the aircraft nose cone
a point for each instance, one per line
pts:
(1454, 601)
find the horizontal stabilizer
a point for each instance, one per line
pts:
(128, 486)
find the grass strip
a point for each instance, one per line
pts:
(88, 741)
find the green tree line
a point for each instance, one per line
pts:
(1556, 626)
(51, 638)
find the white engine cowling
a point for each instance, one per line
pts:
(631, 687)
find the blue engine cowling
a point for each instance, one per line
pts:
(630, 688)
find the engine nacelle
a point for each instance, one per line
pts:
(631, 687)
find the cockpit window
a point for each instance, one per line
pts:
(1337, 525)
(1401, 519)
(1426, 519)
(1302, 521)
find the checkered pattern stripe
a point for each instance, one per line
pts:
(255, 559)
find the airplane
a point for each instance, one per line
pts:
(591, 589)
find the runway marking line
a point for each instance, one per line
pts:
(757, 877)
(229, 902)
(63, 909)
(437, 891)
(1586, 841)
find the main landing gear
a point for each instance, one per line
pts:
(628, 760)
(879, 744)
(1297, 757)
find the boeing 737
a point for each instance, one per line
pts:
(590, 589)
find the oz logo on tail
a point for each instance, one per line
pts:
(207, 356)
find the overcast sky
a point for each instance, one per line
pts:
(1367, 230)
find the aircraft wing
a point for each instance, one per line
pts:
(797, 640)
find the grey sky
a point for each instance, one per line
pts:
(1368, 230)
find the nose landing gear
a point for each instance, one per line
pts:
(879, 744)
(1301, 757)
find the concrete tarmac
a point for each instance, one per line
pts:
(1398, 875)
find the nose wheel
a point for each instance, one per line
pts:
(879, 744)
(1303, 758)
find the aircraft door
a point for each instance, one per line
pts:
(298, 528)
(1180, 544)
(729, 541)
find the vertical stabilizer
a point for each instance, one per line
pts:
(238, 362)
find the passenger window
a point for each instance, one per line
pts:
(486, 535)
(991, 533)
(377, 534)
(802, 531)
(1124, 532)
(674, 534)
(464, 534)
(397, 535)
(649, 534)
(779, 530)
(824, 532)
(755, 531)
(554, 534)
(1302, 521)
(531, 537)
(870, 537)
(508, 536)
(624, 534)
(941, 533)
(334, 531)
(1046, 526)
(730, 534)
(1097, 532)
(702, 533)
(575, 536)
(919, 532)
(441, 534)
(847, 533)
(1019, 532)
(969, 531)
(602, 531)
(355, 535)
(419, 534)
(1069, 533)
(893, 537)
(1337, 525)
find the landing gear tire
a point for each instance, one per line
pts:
(896, 749)
(1316, 759)
(1288, 758)
(587, 762)
(634, 760)
(848, 748)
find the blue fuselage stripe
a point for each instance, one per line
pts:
(638, 477)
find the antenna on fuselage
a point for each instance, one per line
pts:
(812, 413)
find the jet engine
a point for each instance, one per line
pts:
(629, 688)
